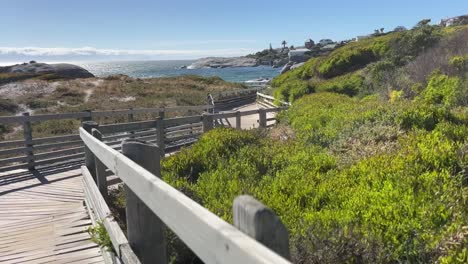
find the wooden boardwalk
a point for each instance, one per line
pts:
(43, 219)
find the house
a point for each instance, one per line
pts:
(454, 21)
(298, 55)
(324, 42)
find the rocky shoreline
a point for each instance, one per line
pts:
(223, 62)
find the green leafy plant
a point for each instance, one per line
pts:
(100, 236)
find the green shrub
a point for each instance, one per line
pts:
(349, 84)
(390, 207)
(7, 106)
(38, 103)
(292, 90)
(460, 63)
(443, 89)
(100, 236)
(355, 55)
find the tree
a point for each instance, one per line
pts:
(376, 32)
(399, 29)
(284, 43)
(271, 48)
(422, 23)
(381, 30)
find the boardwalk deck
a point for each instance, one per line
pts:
(43, 219)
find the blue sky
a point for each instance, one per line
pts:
(175, 29)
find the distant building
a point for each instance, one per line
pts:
(298, 55)
(309, 44)
(324, 42)
(454, 21)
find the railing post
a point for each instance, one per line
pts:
(238, 120)
(87, 118)
(145, 231)
(130, 119)
(160, 135)
(101, 178)
(262, 119)
(207, 120)
(162, 114)
(261, 223)
(27, 133)
(89, 156)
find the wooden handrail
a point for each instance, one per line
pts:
(211, 238)
(90, 114)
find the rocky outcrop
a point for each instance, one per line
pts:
(223, 62)
(60, 71)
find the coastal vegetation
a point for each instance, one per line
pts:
(113, 92)
(398, 60)
(369, 164)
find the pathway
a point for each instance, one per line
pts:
(43, 219)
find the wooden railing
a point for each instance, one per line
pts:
(30, 152)
(172, 134)
(269, 101)
(258, 236)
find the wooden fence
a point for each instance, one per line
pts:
(30, 152)
(258, 236)
(170, 134)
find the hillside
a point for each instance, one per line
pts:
(369, 165)
(398, 61)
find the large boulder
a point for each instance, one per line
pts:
(61, 70)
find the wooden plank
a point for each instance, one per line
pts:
(14, 151)
(182, 121)
(104, 214)
(172, 139)
(58, 145)
(192, 125)
(59, 159)
(183, 131)
(37, 141)
(124, 127)
(58, 153)
(11, 143)
(145, 231)
(212, 239)
(126, 135)
(261, 223)
(13, 159)
(35, 118)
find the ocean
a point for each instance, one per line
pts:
(148, 69)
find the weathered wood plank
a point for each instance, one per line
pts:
(181, 121)
(37, 141)
(125, 127)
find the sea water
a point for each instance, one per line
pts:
(150, 69)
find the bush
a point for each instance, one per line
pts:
(443, 90)
(7, 106)
(460, 63)
(355, 55)
(349, 84)
(391, 207)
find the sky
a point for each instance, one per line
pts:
(100, 30)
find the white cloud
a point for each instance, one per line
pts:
(87, 52)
